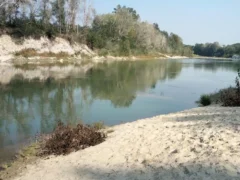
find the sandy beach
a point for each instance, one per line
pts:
(201, 143)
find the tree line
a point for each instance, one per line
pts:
(216, 50)
(123, 33)
(37, 18)
(118, 33)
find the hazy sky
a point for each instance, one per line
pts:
(194, 20)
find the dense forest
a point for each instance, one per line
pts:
(216, 50)
(120, 33)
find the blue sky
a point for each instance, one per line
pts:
(196, 21)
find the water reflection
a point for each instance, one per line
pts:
(119, 82)
(28, 108)
(215, 65)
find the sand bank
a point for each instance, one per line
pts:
(202, 143)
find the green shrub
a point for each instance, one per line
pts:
(205, 100)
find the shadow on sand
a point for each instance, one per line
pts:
(148, 171)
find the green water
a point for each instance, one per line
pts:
(113, 93)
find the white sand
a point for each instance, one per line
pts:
(202, 143)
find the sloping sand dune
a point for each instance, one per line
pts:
(202, 143)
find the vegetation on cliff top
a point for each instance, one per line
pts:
(119, 33)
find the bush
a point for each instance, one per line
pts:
(230, 97)
(225, 97)
(66, 139)
(103, 52)
(205, 100)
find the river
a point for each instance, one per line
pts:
(114, 93)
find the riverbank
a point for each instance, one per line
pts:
(216, 58)
(201, 143)
(40, 59)
(35, 51)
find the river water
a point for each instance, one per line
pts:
(114, 93)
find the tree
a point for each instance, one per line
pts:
(132, 11)
(156, 26)
(10, 9)
(59, 13)
(45, 12)
(119, 33)
(72, 14)
(215, 49)
(175, 43)
(124, 21)
(88, 12)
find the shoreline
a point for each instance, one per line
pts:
(30, 49)
(197, 143)
(38, 60)
(216, 58)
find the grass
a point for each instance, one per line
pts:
(98, 125)
(32, 52)
(110, 131)
(30, 151)
(25, 156)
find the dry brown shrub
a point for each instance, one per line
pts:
(32, 52)
(230, 97)
(66, 139)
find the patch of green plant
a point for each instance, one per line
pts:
(110, 131)
(98, 125)
(29, 151)
(85, 57)
(205, 100)
(4, 166)
(103, 52)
